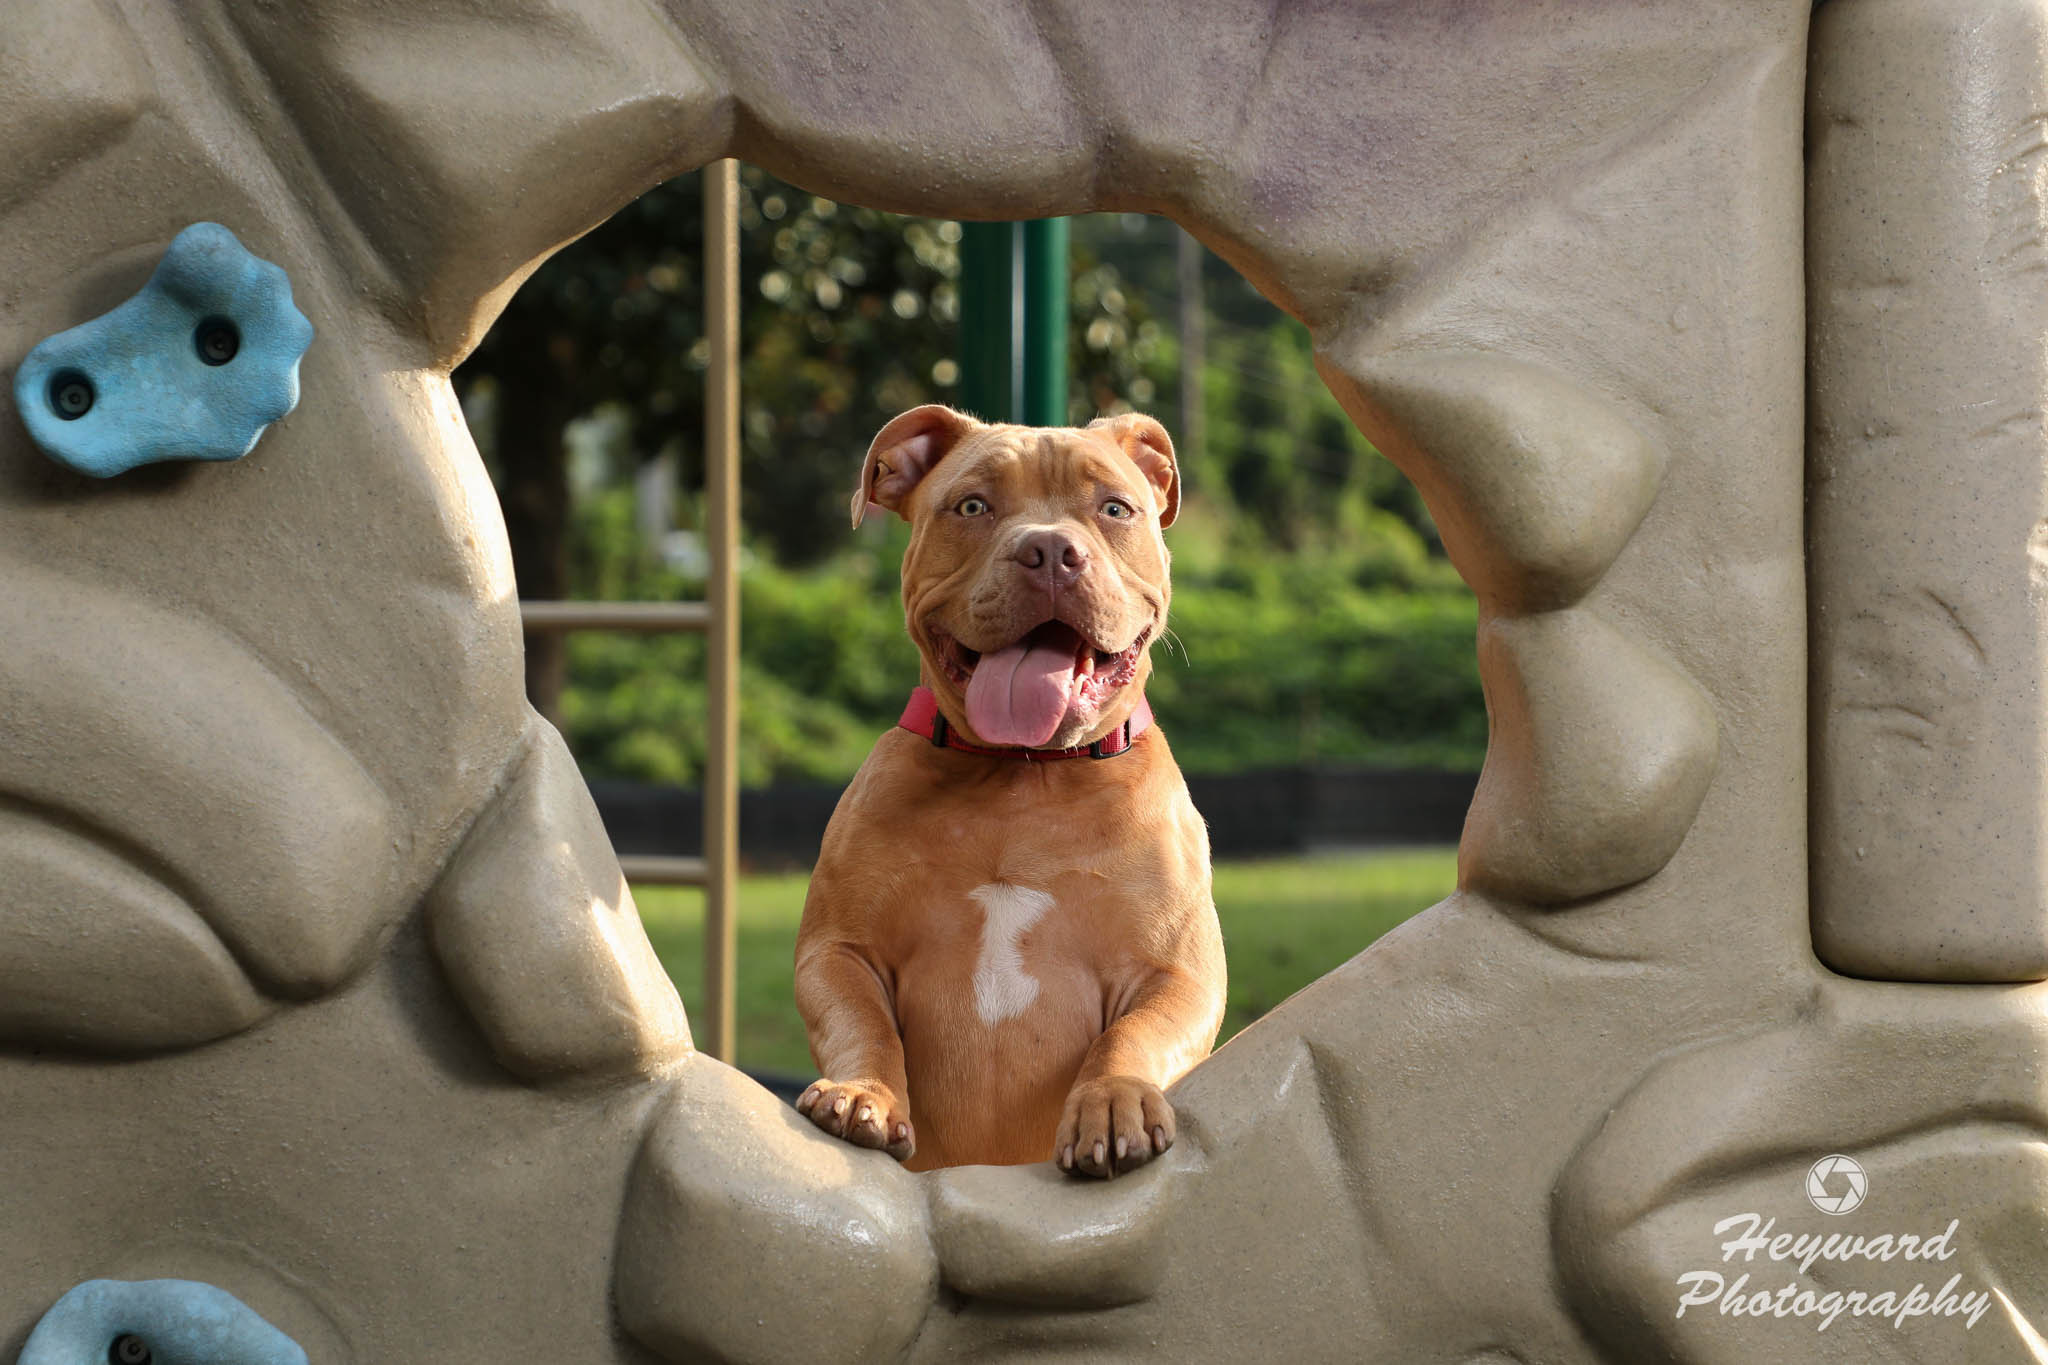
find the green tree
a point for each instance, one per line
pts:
(848, 316)
(1315, 616)
(844, 317)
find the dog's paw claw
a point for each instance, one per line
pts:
(865, 1113)
(1111, 1125)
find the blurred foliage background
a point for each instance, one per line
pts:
(1315, 619)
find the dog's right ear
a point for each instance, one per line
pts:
(904, 452)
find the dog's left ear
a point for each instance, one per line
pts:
(1151, 450)
(903, 453)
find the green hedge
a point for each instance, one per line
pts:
(1344, 656)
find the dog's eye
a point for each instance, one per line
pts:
(972, 507)
(1118, 508)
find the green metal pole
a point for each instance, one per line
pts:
(991, 279)
(1045, 322)
(1013, 321)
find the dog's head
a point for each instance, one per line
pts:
(1036, 579)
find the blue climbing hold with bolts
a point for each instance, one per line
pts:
(194, 367)
(156, 1322)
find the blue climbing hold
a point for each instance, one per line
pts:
(194, 367)
(156, 1322)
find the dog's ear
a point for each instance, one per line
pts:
(1151, 450)
(904, 452)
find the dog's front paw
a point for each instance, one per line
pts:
(1113, 1124)
(865, 1113)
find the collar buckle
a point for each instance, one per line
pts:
(1097, 749)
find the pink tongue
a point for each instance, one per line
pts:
(1019, 695)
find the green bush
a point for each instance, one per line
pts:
(1303, 667)
(1359, 654)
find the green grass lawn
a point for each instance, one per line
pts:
(1285, 923)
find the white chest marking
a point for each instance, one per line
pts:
(1002, 988)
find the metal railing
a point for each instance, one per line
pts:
(563, 618)
(717, 616)
(634, 616)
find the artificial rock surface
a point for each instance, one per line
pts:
(1929, 533)
(315, 985)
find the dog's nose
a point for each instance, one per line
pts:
(1054, 558)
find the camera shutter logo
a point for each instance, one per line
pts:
(1836, 1184)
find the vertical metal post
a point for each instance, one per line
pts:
(1013, 321)
(1045, 322)
(991, 320)
(722, 535)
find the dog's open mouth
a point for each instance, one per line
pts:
(1023, 693)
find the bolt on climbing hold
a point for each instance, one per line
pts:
(194, 367)
(156, 1322)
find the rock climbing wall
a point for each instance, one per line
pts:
(320, 991)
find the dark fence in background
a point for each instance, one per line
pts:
(1249, 814)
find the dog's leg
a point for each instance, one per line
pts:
(1116, 1116)
(862, 1093)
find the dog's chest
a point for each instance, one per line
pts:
(1001, 954)
(1003, 988)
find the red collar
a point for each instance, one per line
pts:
(923, 717)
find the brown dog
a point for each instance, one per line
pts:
(1009, 945)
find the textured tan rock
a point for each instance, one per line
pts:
(1929, 472)
(1733, 1129)
(486, 175)
(171, 746)
(783, 1242)
(1536, 485)
(1412, 1160)
(97, 954)
(540, 938)
(1108, 1245)
(360, 1170)
(75, 80)
(1600, 756)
